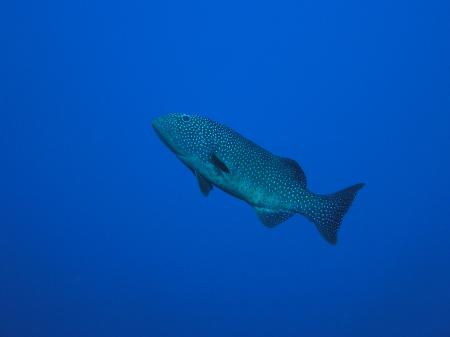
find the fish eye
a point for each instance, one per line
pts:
(186, 118)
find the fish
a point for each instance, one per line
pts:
(273, 185)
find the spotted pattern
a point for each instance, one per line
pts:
(262, 179)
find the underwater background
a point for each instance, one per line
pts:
(103, 232)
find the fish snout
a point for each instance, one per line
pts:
(157, 123)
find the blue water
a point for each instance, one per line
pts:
(103, 232)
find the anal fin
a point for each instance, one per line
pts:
(271, 218)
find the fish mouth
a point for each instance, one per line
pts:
(162, 138)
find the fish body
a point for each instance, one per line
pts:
(274, 186)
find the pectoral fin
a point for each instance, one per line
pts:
(219, 163)
(271, 218)
(204, 184)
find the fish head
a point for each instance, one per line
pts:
(185, 135)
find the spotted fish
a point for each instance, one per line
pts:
(274, 186)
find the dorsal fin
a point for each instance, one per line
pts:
(295, 170)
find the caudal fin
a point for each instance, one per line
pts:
(327, 211)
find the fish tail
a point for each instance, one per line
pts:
(327, 211)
